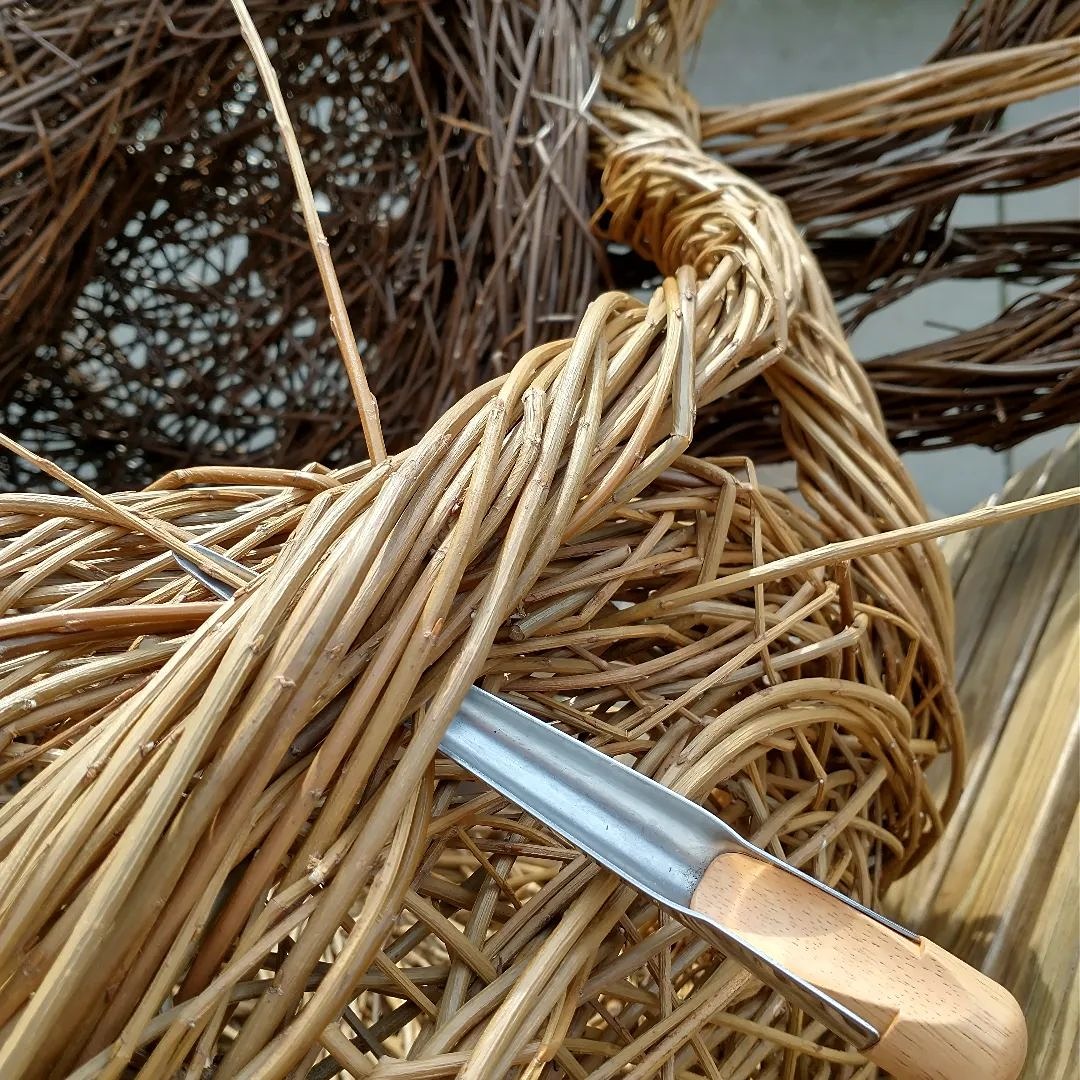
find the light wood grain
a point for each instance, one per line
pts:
(1001, 887)
(940, 1019)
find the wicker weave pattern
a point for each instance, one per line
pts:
(167, 315)
(550, 535)
(162, 317)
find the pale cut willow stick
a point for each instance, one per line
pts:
(844, 550)
(339, 313)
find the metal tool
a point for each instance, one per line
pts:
(911, 1007)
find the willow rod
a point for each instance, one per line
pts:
(340, 323)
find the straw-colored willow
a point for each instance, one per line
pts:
(230, 852)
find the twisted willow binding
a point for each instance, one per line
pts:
(232, 854)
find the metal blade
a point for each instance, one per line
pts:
(658, 841)
(215, 585)
(655, 839)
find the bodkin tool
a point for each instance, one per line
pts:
(912, 1008)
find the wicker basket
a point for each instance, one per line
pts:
(165, 317)
(230, 853)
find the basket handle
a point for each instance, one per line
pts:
(938, 1018)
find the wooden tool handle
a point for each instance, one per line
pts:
(939, 1019)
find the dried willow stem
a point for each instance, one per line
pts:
(930, 96)
(340, 323)
(842, 551)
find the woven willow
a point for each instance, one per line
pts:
(156, 310)
(873, 172)
(230, 852)
(157, 307)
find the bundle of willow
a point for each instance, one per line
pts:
(155, 305)
(873, 171)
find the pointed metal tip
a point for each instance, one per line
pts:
(215, 585)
